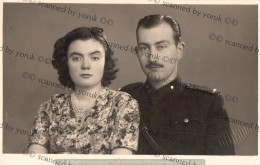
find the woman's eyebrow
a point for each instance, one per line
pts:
(95, 52)
(76, 53)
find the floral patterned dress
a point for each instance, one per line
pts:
(112, 123)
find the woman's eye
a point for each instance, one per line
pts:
(76, 58)
(95, 58)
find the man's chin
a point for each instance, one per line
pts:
(153, 76)
(154, 80)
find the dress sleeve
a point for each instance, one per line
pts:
(39, 134)
(126, 128)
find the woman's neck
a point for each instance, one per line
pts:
(87, 94)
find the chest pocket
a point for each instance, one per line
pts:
(194, 123)
(190, 123)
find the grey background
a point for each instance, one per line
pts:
(31, 28)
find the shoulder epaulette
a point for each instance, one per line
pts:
(201, 88)
(131, 86)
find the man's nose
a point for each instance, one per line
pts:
(85, 64)
(152, 55)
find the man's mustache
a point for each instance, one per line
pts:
(153, 64)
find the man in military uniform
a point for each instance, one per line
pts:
(176, 117)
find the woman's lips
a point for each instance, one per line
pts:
(86, 75)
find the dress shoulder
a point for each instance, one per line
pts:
(59, 95)
(202, 88)
(120, 95)
(132, 86)
(54, 101)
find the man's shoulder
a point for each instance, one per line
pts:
(132, 87)
(201, 89)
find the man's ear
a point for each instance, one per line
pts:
(180, 49)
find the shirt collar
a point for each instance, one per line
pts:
(174, 85)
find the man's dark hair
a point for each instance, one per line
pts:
(154, 20)
(60, 58)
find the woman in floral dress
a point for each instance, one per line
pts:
(92, 118)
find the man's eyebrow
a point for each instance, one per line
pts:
(142, 43)
(159, 42)
(156, 43)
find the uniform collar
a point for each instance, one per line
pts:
(174, 85)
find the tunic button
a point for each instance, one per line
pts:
(186, 120)
(172, 87)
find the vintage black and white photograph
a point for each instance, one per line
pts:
(152, 79)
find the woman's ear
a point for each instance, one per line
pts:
(180, 49)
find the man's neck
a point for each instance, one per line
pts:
(159, 84)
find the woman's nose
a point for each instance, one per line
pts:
(85, 64)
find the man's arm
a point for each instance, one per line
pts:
(218, 137)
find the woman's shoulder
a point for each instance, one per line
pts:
(118, 95)
(60, 96)
(55, 100)
(122, 98)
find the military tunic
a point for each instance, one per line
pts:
(181, 119)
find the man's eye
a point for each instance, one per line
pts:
(143, 48)
(95, 58)
(160, 47)
(76, 58)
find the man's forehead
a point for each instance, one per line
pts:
(160, 32)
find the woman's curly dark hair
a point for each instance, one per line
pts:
(60, 59)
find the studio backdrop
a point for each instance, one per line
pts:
(221, 52)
